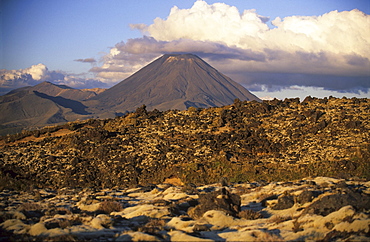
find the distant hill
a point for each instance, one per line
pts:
(173, 81)
(64, 91)
(41, 105)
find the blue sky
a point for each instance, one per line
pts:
(76, 38)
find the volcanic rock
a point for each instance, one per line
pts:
(254, 141)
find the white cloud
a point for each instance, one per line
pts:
(305, 42)
(218, 22)
(240, 42)
(336, 32)
(36, 71)
(12, 79)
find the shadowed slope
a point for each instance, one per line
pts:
(40, 105)
(27, 109)
(31, 109)
(54, 90)
(76, 106)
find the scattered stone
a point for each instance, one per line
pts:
(266, 197)
(101, 221)
(136, 236)
(37, 229)
(201, 227)
(173, 180)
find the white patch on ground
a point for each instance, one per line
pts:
(181, 236)
(143, 210)
(178, 224)
(136, 236)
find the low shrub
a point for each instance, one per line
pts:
(250, 214)
(110, 206)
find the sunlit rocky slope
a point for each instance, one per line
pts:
(245, 141)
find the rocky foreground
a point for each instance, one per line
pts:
(320, 209)
(144, 176)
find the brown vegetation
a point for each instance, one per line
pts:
(110, 206)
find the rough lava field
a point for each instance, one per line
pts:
(320, 209)
(250, 171)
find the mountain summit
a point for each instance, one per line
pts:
(173, 81)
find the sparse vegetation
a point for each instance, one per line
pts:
(30, 206)
(154, 226)
(279, 219)
(297, 226)
(110, 206)
(250, 214)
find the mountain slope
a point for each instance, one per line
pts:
(27, 109)
(41, 105)
(175, 81)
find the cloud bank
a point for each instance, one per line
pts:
(330, 51)
(12, 79)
